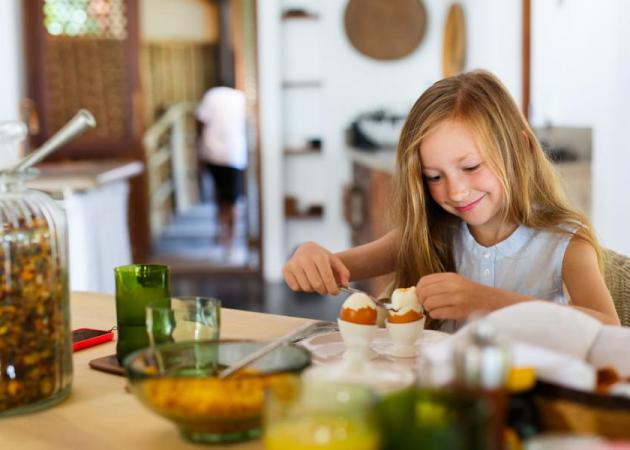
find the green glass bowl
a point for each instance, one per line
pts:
(178, 381)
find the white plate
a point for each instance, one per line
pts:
(382, 376)
(328, 348)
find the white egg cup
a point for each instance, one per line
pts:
(356, 337)
(403, 337)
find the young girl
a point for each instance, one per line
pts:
(480, 219)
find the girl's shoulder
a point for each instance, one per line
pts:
(566, 227)
(571, 226)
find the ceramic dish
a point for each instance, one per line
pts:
(328, 348)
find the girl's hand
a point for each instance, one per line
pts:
(313, 268)
(450, 296)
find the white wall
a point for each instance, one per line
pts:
(581, 77)
(493, 32)
(614, 162)
(11, 72)
(269, 96)
(353, 83)
(188, 20)
(11, 80)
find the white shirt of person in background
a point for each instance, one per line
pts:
(224, 143)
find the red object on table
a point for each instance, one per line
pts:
(88, 337)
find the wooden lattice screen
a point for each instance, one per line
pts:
(83, 54)
(173, 72)
(86, 72)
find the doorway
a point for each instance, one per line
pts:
(212, 44)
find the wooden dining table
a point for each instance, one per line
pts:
(100, 414)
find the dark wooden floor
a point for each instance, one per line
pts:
(249, 292)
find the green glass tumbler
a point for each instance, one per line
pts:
(138, 285)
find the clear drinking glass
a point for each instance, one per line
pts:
(186, 319)
(138, 285)
(326, 416)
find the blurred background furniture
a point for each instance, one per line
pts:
(95, 195)
(617, 274)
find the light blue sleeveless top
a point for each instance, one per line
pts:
(528, 262)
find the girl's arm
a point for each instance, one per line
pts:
(451, 296)
(372, 259)
(585, 283)
(312, 268)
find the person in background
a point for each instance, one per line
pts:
(480, 219)
(223, 151)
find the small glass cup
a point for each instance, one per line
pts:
(137, 285)
(322, 415)
(185, 319)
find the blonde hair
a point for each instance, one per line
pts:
(532, 192)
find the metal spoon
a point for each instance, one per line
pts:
(384, 302)
(302, 332)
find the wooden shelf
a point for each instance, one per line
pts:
(305, 214)
(302, 84)
(302, 151)
(301, 14)
(291, 210)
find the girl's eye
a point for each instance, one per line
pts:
(472, 168)
(432, 179)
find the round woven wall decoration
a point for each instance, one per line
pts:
(454, 43)
(385, 29)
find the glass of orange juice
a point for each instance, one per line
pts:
(307, 415)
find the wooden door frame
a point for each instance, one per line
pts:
(259, 186)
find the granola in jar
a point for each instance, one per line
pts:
(35, 341)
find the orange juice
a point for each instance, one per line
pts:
(323, 432)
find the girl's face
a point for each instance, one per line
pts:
(459, 178)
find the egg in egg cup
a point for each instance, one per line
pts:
(404, 325)
(357, 325)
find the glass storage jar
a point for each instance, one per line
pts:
(35, 338)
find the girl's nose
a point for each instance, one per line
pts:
(457, 191)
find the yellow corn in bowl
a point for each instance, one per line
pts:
(178, 381)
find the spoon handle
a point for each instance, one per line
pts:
(265, 349)
(81, 121)
(351, 290)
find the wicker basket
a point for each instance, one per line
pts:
(617, 274)
(562, 409)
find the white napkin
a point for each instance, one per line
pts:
(612, 349)
(554, 367)
(545, 324)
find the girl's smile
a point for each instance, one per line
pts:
(469, 206)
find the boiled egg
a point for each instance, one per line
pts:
(358, 308)
(405, 302)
